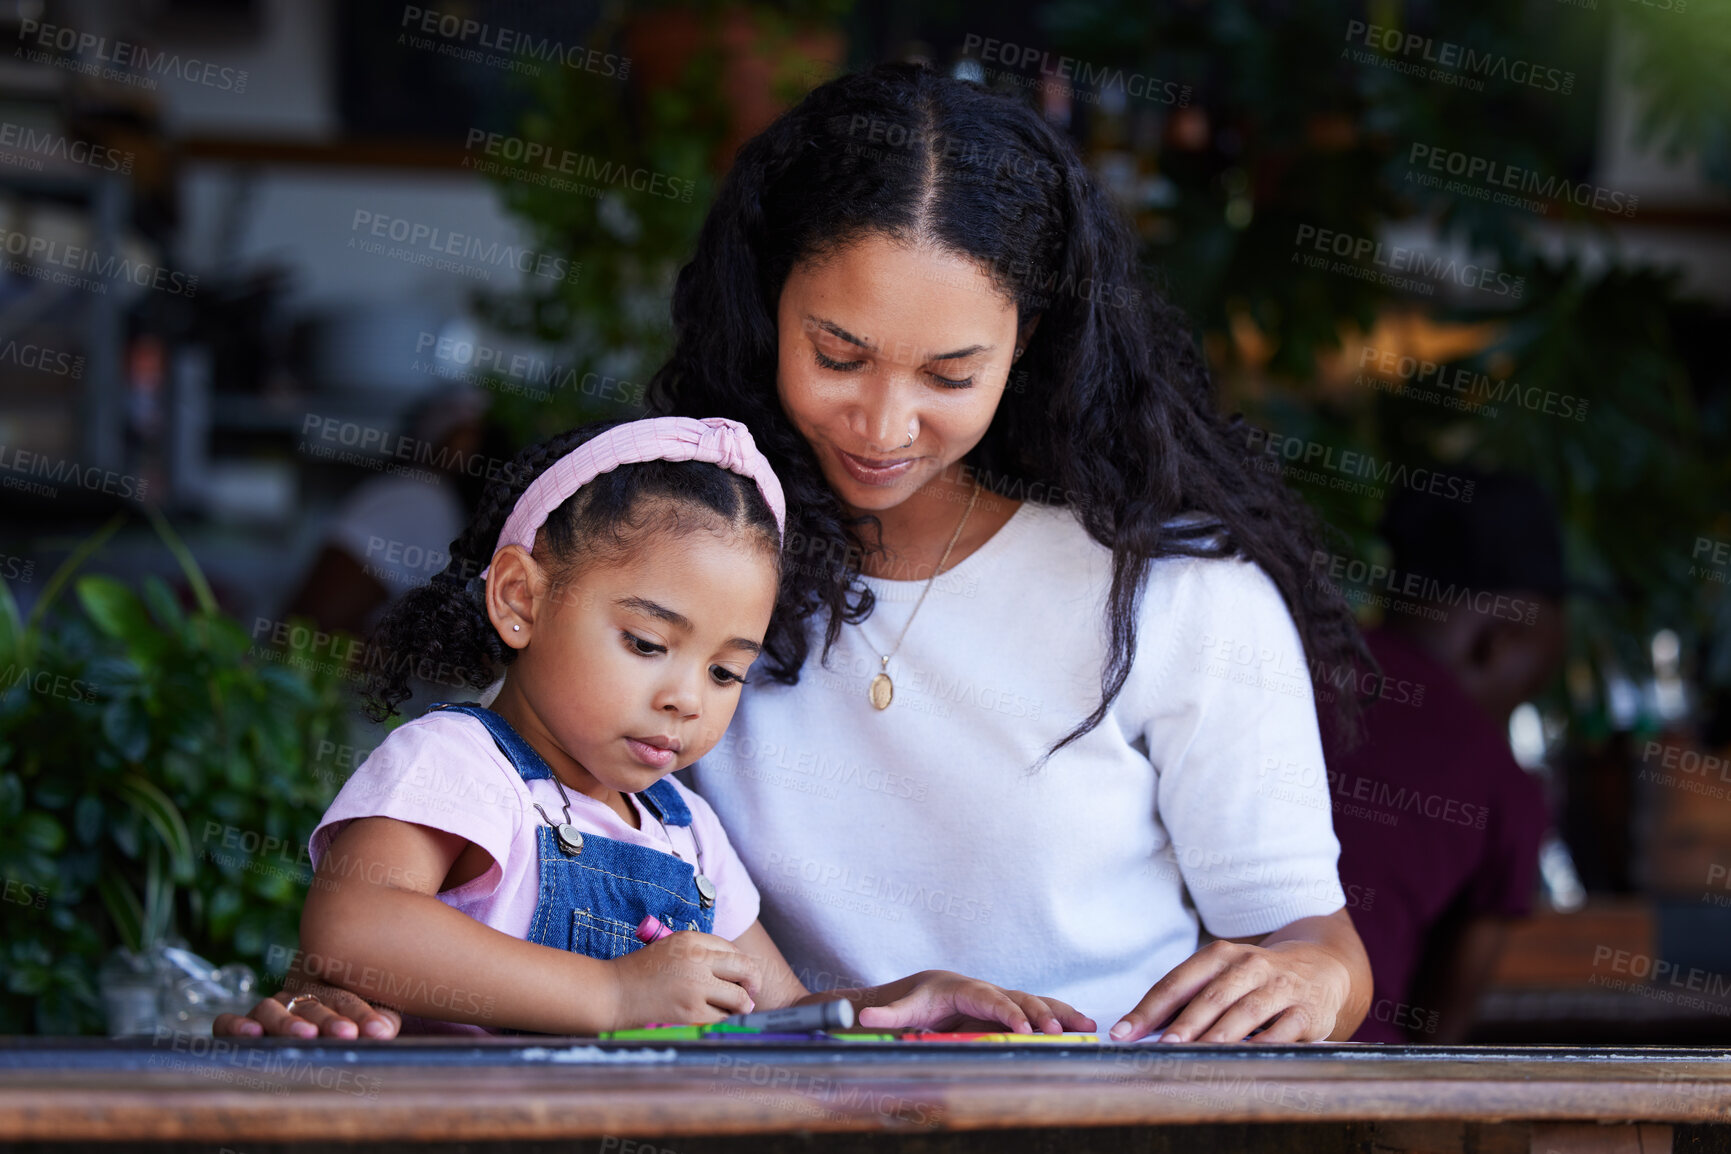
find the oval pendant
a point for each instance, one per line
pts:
(570, 838)
(705, 891)
(882, 691)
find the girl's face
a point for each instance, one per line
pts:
(632, 669)
(880, 338)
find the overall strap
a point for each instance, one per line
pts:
(522, 756)
(664, 799)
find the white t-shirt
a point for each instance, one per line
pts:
(923, 837)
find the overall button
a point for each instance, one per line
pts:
(570, 838)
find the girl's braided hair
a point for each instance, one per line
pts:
(441, 631)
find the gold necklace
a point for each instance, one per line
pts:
(883, 690)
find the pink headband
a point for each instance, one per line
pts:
(715, 439)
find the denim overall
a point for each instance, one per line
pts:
(591, 901)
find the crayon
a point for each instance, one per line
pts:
(812, 1016)
(650, 929)
(1013, 1039)
(655, 1034)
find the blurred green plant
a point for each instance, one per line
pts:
(612, 318)
(130, 728)
(1296, 121)
(1681, 67)
(801, 11)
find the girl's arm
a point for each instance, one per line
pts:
(373, 925)
(1311, 977)
(933, 999)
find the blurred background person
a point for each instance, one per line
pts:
(1439, 826)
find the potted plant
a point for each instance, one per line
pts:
(149, 755)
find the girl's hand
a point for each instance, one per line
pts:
(941, 1000)
(337, 1014)
(1228, 989)
(687, 977)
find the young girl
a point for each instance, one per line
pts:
(491, 865)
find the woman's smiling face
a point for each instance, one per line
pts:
(880, 338)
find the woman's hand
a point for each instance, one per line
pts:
(1306, 982)
(685, 977)
(941, 1000)
(337, 1014)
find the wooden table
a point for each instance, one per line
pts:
(572, 1094)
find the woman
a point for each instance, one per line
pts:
(1056, 764)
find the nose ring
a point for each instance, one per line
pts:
(911, 434)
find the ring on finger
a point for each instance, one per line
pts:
(298, 999)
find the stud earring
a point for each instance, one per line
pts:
(516, 629)
(1018, 355)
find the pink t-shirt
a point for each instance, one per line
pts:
(443, 770)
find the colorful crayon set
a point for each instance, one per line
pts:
(814, 1021)
(724, 1032)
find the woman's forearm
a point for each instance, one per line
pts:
(418, 955)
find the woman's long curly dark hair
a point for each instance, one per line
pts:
(1116, 412)
(441, 630)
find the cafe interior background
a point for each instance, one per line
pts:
(265, 261)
